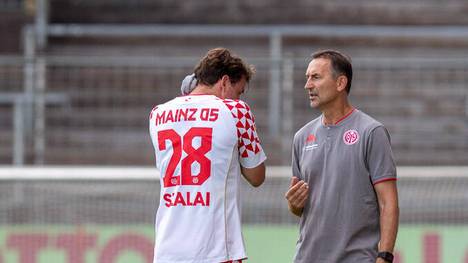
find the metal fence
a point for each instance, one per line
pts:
(93, 110)
(129, 195)
(11, 4)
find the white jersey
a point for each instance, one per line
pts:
(200, 142)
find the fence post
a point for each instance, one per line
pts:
(18, 131)
(29, 56)
(274, 90)
(39, 109)
(287, 120)
(42, 17)
(466, 123)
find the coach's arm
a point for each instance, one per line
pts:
(389, 213)
(255, 176)
(297, 195)
(298, 191)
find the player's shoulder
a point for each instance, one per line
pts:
(232, 104)
(162, 106)
(238, 108)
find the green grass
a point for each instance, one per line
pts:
(270, 243)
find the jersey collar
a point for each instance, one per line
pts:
(341, 120)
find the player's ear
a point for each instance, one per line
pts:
(222, 86)
(225, 85)
(341, 82)
(225, 81)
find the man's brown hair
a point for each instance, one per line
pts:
(219, 62)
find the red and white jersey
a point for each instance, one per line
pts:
(200, 142)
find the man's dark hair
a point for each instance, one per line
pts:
(340, 63)
(219, 62)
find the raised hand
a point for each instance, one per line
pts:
(297, 195)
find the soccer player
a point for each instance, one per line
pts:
(343, 186)
(203, 142)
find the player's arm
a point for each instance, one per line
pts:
(255, 176)
(251, 155)
(389, 213)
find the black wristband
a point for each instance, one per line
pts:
(385, 255)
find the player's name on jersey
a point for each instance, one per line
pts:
(187, 199)
(186, 114)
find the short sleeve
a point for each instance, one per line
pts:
(379, 157)
(251, 152)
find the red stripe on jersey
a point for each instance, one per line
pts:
(384, 180)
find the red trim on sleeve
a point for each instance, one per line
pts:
(384, 180)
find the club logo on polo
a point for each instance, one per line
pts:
(350, 137)
(311, 138)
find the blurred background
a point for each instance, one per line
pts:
(78, 79)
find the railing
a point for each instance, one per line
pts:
(93, 109)
(11, 4)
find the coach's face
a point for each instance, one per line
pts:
(321, 85)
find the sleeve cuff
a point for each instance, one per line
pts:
(252, 163)
(384, 180)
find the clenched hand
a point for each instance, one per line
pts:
(297, 195)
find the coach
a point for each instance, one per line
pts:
(344, 178)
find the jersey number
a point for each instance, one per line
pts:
(185, 143)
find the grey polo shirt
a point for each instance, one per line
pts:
(341, 163)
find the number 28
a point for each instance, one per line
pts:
(185, 143)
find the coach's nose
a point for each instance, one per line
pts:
(309, 85)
